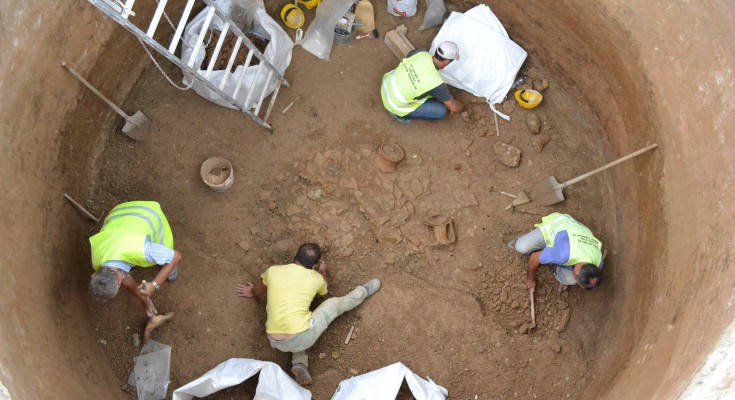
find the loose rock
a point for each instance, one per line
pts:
(564, 321)
(538, 85)
(540, 141)
(533, 123)
(508, 155)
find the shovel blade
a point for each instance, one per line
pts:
(547, 192)
(138, 127)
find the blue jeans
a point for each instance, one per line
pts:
(534, 241)
(431, 110)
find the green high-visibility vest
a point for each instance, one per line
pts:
(583, 246)
(124, 232)
(413, 77)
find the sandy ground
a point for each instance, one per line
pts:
(454, 313)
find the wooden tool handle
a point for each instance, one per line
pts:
(349, 334)
(612, 164)
(533, 307)
(82, 209)
(95, 91)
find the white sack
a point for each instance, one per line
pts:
(489, 60)
(384, 384)
(402, 8)
(278, 53)
(273, 383)
(319, 36)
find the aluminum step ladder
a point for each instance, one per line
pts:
(120, 11)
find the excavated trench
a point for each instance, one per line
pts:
(651, 72)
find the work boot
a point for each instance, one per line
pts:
(174, 274)
(301, 374)
(372, 286)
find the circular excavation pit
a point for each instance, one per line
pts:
(458, 313)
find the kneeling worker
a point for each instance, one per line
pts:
(135, 233)
(415, 90)
(563, 242)
(290, 288)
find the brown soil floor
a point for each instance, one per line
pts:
(454, 313)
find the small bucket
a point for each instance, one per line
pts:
(217, 173)
(343, 37)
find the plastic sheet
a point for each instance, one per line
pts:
(319, 37)
(278, 53)
(273, 382)
(385, 383)
(435, 10)
(489, 60)
(150, 375)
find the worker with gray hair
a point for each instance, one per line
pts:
(567, 245)
(290, 289)
(415, 90)
(135, 233)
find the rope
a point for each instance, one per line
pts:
(142, 43)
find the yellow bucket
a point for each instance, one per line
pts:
(309, 4)
(292, 16)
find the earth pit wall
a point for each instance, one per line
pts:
(650, 72)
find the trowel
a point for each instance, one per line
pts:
(520, 199)
(137, 126)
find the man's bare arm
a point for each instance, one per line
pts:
(454, 105)
(533, 264)
(250, 290)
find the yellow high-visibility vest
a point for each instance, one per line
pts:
(583, 246)
(413, 77)
(124, 232)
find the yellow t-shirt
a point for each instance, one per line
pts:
(291, 288)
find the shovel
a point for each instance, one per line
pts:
(137, 126)
(549, 191)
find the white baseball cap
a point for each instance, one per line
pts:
(448, 51)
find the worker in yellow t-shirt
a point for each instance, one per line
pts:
(290, 288)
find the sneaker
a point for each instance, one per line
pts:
(399, 119)
(512, 244)
(372, 286)
(301, 374)
(174, 275)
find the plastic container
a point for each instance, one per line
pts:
(343, 37)
(217, 173)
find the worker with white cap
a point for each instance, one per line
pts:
(415, 90)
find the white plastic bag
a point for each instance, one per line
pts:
(150, 375)
(385, 383)
(273, 383)
(489, 60)
(319, 36)
(402, 8)
(435, 10)
(278, 53)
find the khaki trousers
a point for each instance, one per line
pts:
(327, 312)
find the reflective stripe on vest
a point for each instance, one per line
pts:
(124, 233)
(583, 246)
(413, 77)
